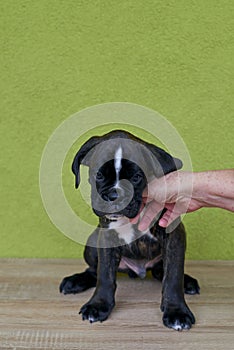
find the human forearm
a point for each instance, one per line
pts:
(214, 188)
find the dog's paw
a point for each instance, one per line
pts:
(77, 283)
(96, 311)
(191, 285)
(71, 285)
(178, 318)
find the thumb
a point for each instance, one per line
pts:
(149, 215)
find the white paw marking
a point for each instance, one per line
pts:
(177, 326)
(91, 319)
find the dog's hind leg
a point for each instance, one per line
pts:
(157, 271)
(191, 285)
(80, 282)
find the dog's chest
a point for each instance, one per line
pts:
(124, 229)
(140, 251)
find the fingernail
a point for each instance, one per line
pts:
(162, 223)
(142, 227)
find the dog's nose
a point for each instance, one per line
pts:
(111, 196)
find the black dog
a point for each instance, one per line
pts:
(120, 165)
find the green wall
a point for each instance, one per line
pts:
(60, 56)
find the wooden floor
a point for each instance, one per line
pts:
(33, 315)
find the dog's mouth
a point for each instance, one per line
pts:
(114, 217)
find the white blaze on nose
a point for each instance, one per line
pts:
(118, 166)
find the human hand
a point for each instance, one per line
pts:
(172, 192)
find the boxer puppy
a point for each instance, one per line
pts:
(120, 166)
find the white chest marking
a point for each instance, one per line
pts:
(118, 165)
(124, 229)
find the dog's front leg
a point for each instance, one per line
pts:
(99, 307)
(176, 313)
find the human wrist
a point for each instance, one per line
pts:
(201, 188)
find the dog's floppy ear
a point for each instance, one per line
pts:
(83, 151)
(166, 161)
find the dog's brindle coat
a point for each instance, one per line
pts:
(156, 250)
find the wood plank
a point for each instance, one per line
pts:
(35, 316)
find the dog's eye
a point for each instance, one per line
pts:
(99, 176)
(136, 179)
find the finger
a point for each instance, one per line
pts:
(136, 218)
(168, 217)
(156, 190)
(145, 193)
(149, 191)
(150, 213)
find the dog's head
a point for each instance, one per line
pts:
(120, 166)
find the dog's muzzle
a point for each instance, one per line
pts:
(114, 206)
(118, 200)
(113, 194)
